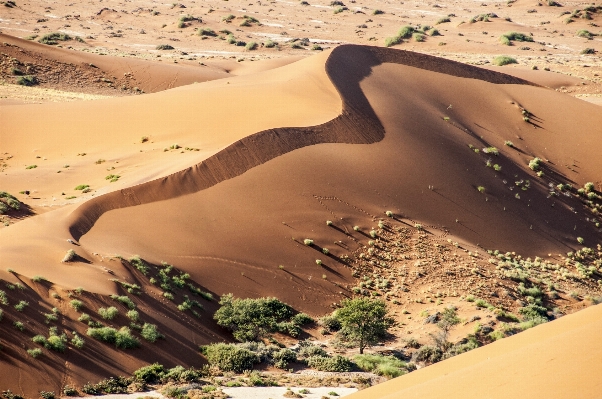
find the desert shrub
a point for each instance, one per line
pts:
(84, 318)
(47, 395)
(180, 374)
(108, 313)
(336, 363)
(283, 357)
(21, 306)
(70, 391)
(132, 315)
(125, 340)
(149, 374)
(387, 366)
(419, 37)
(250, 319)
(56, 343)
(125, 300)
(251, 46)
(27, 80)
(584, 33)
(106, 334)
(138, 262)
(429, 354)
(39, 339)
(207, 32)
(164, 47)
(3, 298)
(270, 44)
(588, 51)
(393, 41)
(8, 201)
(509, 37)
(77, 341)
(460, 348)
(150, 332)
(330, 323)
(534, 312)
(76, 304)
(502, 60)
(308, 349)
(405, 32)
(54, 38)
(443, 20)
(34, 352)
(229, 357)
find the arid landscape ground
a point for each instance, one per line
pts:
(155, 157)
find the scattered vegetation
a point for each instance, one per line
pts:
(502, 60)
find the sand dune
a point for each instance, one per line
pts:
(341, 136)
(553, 360)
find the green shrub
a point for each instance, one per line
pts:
(283, 357)
(387, 366)
(150, 332)
(27, 80)
(139, 263)
(125, 300)
(502, 60)
(106, 334)
(250, 319)
(54, 38)
(108, 313)
(405, 32)
(207, 32)
(9, 200)
(164, 47)
(393, 41)
(77, 341)
(70, 391)
(21, 306)
(251, 46)
(588, 50)
(125, 340)
(584, 33)
(509, 37)
(57, 343)
(132, 315)
(443, 20)
(3, 298)
(39, 339)
(419, 37)
(229, 357)
(149, 374)
(84, 318)
(76, 304)
(34, 352)
(336, 363)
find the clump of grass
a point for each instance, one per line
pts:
(585, 33)
(19, 325)
(112, 178)
(509, 37)
(443, 20)
(588, 51)
(207, 32)
(270, 44)
(31, 166)
(308, 242)
(76, 304)
(53, 38)
(251, 46)
(164, 47)
(150, 332)
(139, 264)
(387, 366)
(69, 256)
(377, 12)
(502, 60)
(35, 353)
(21, 305)
(108, 313)
(81, 187)
(481, 189)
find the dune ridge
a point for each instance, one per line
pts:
(357, 124)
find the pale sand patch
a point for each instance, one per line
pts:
(28, 95)
(278, 392)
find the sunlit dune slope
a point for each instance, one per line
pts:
(553, 360)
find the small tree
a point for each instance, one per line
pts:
(364, 322)
(447, 321)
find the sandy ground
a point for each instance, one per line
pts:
(278, 392)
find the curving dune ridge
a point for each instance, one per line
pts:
(244, 204)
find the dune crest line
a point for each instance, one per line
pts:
(346, 66)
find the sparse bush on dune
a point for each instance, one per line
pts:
(251, 46)
(509, 37)
(502, 60)
(54, 38)
(69, 256)
(164, 47)
(108, 313)
(8, 202)
(27, 80)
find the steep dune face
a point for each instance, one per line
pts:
(387, 130)
(553, 360)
